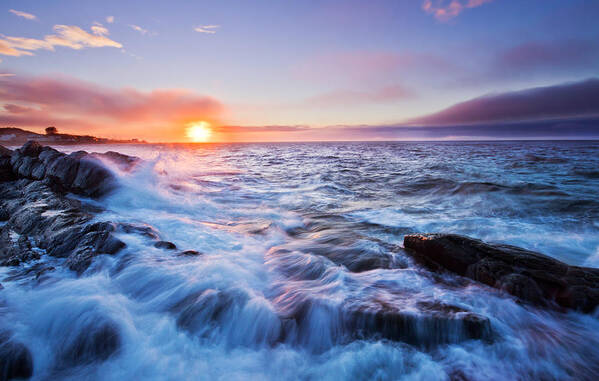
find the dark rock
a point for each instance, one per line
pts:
(54, 223)
(166, 245)
(530, 276)
(31, 148)
(93, 343)
(190, 253)
(433, 324)
(123, 162)
(5, 152)
(16, 361)
(79, 173)
(141, 229)
(6, 173)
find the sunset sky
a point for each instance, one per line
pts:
(301, 70)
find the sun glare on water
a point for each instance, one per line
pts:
(199, 132)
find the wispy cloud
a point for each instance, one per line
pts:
(69, 36)
(4, 75)
(99, 29)
(110, 19)
(25, 15)
(209, 29)
(138, 29)
(445, 10)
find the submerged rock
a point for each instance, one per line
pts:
(530, 276)
(16, 361)
(94, 343)
(166, 245)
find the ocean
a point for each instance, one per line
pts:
(279, 230)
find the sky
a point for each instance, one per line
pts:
(256, 70)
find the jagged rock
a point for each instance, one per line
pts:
(41, 219)
(5, 152)
(16, 361)
(79, 173)
(528, 275)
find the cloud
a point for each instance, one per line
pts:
(26, 15)
(73, 105)
(569, 100)
(386, 94)
(69, 36)
(3, 75)
(16, 109)
(572, 128)
(110, 19)
(139, 29)
(444, 10)
(99, 29)
(209, 29)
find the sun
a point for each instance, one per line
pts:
(199, 131)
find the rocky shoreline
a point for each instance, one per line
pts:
(40, 217)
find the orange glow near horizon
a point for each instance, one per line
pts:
(199, 132)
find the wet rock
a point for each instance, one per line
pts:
(166, 245)
(14, 248)
(190, 253)
(141, 229)
(5, 152)
(16, 361)
(6, 173)
(530, 276)
(422, 324)
(427, 327)
(123, 162)
(79, 173)
(93, 343)
(39, 216)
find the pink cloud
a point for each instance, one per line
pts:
(444, 10)
(74, 104)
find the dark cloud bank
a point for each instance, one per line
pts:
(568, 110)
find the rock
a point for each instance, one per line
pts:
(31, 148)
(433, 324)
(141, 229)
(190, 253)
(80, 173)
(39, 216)
(94, 342)
(5, 152)
(6, 173)
(530, 276)
(16, 361)
(166, 245)
(123, 162)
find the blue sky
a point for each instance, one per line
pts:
(308, 63)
